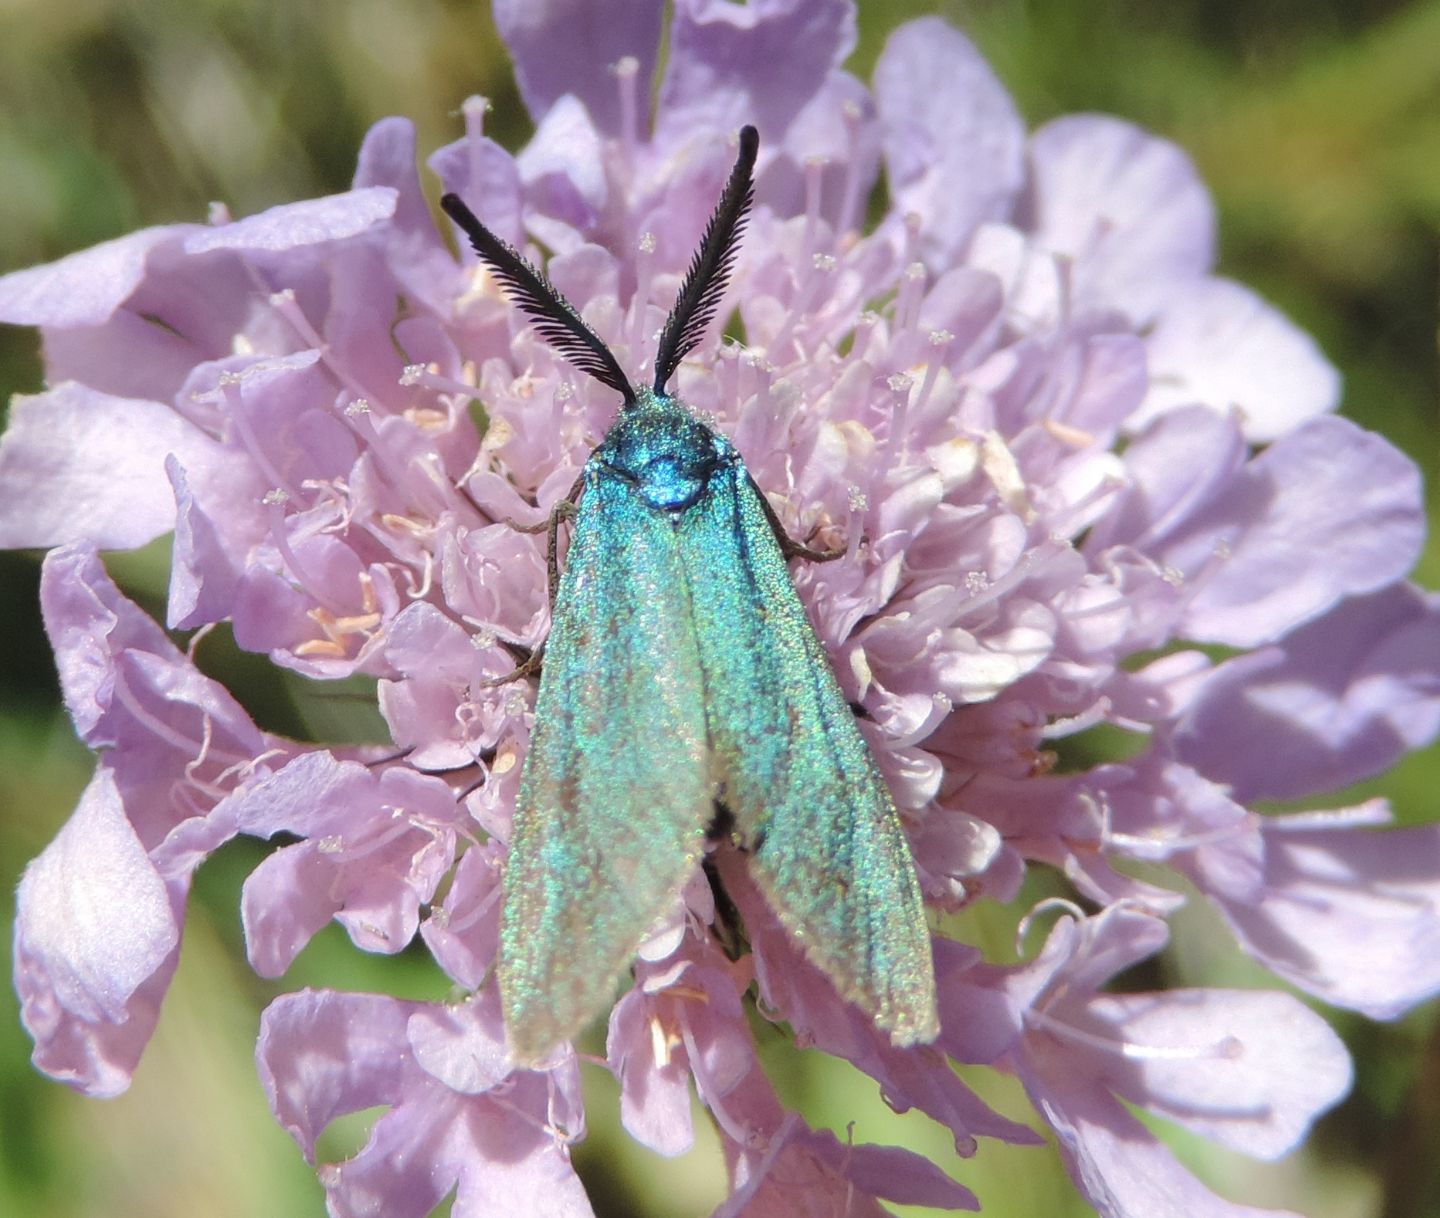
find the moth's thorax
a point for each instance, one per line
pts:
(664, 451)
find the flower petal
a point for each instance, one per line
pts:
(96, 942)
(1249, 1070)
(323, 1054)
(654, 1083)
(84, 288)
(1352, 917)
(1126, 207)
(759, 63)
(1180, 464)
(1219, 343)
(1116, 1163)
(203, 576)
(410, 243)
(80, 465)
(1336, 701)
(285, 902)
(953, 140)
(807, 1171)
(462, 1046)
(291, 225)
(89, 623)
(572, 46)
(563, 172)
(1327, 511)
(463, 934)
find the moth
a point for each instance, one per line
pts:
(683, 688)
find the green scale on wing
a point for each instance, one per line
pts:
(615, 794)
(681, 673)
(826, 844)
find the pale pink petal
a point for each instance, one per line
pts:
(1349, 915)
(484, 175)
(203, 576)
(463, 933)
(758, 63)
(96, 942)
(80, 465)
(804, 1171)
(322, 1055)
(562, 172)
(654, 1089)
(1126, 207)
(310, 796)
(89, 623)
(1338, 700)
(1250, 1070)
(1218, 343)
(953, 141)
(285, 902)
(409, 244)
(1325, 512)
(572, 46)
(462, 1046)
(1117, 1164)
(85, 288)
(292, 225)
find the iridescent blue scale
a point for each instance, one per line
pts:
(663, 451)
(682, 676)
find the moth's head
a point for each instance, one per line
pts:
(661, 449)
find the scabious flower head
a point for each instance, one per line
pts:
(1082, 480)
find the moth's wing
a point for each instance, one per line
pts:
(616, 793)
(827, 847)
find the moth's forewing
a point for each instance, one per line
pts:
(827, 847)
(616, 790)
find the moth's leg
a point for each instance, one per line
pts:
(564, 510)
(789, 547)
(542, 527)
(525, 668)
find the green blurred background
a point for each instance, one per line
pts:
(1317, 125)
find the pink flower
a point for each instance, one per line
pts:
(460, 1117)
(1063, 455)
(1246, 1069)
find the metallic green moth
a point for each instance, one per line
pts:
(682, 676)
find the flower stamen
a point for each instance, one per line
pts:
(627, 73)
(1227, 1047)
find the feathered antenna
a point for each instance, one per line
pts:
(709, 272)
(555, 318)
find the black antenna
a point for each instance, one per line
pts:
(555, 318)
(709, 272)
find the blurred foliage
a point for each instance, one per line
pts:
(1317, 125)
